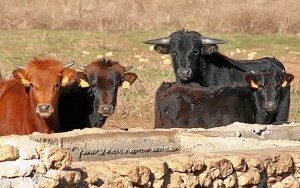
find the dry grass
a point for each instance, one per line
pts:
(226, 16)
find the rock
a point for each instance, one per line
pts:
(218, 183)
(64, 177)
(185, 164)
(167, 61)
(278, 164)
(238, 163)
(137, 174)
(26, 147)
(157, 168)
(55, 158)
(205, 179)
(8, 153)
(21, 182)
(251, 177)
(230, 181)
(20, 168)
(290, 181)
(220, 168)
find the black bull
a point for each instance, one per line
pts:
(195, 59)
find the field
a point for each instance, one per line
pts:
(86, 29)
(136, 104)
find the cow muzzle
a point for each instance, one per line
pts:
(270, 106)
(184, 73)
(44, 110)
(106, 109)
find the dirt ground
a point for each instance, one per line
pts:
(291, 64)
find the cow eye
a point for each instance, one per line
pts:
(195, 52)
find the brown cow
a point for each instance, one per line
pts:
(91, 103)
(28, 102)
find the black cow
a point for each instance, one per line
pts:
(186, 106)
(195, 59)
(93, 97)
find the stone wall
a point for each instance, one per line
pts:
(232, 156)
(276, 168)
(28, 164)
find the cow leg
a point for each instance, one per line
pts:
(284, 107)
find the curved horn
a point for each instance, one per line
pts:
(19, 66)
(128, 68)
(67, 65)
(164, 41)
(81, 67)
(206, 40)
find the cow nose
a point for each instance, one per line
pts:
(270, 105)
(184, 72)
(44, 108)
(106, 109)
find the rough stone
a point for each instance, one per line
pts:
(20, 168)
(251, 177)
(64, 177)
(230, 181)
(290, 181)
(220, 168)
(278, 164)
(55, 158)
(8, 153)
(238, 163)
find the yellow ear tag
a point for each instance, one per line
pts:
(125, 85)
(25, 81)
(83, 83)
(65, 80)
(253, 84)
(284, 84)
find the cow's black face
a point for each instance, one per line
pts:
(267, 86)
(185, 47)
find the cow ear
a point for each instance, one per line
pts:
(162, 49)
(128, 79)
(209, 48)
(20, 75)
(250, 78)
(68, 77)
(82, 80)
(287, 79)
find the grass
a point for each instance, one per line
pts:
(18, 47)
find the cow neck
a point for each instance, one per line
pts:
(40, 124)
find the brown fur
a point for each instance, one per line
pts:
(18, 103)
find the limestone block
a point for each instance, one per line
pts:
(55, 158)
(238, 163)
(8, 153)
(185, 164)
(205, 179)
(230, 181)
(218, 183)
(20, 182)
(251, 177)
(25, 146)
(220, 168)
(157, 167)
(19, 168)
(64, 177)
(137, 174)
(290, 181)
(278, 164)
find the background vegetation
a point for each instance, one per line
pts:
(86, 29)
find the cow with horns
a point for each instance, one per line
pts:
(196, 59)
(28, 102)
(93, 97)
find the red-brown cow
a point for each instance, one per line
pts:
(29, 101)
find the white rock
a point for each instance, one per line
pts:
(19, 168)
(109, 54)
